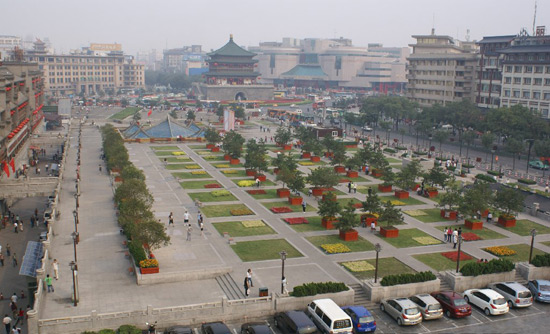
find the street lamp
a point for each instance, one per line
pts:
(74, 235)
(377, 248)
(76, 198)
(75, 214)
(493, 150)
(458, 257)
(74, 269)
(533, 234)
(283, 258)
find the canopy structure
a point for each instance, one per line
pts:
(32, 259)
(168, 128)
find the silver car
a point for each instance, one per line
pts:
(428, 306)
(402, 310)
(515, 294)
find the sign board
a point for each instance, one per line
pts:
(64, 107)
(228, 120)
(105, 47)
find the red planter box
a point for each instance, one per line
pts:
(318, 191)
(432, 194)
(118, 179)
(351, 146)
(250, 172)
(450, 215)
(209, 146)
(339, 169)
(389, 232)
(315, 159)
(227, 157)
(401, 194)
(275, 171)
(506, 222)
(384, 189)
(328, 223)
(350, 235)
(234, 161)
(329, 154)
(144, 271)
(485, 213)
(283, 193)
(287, 147)
(376, 173)
(261, 177)
(473, 225)
(334, 200)
(295, 200)
(352, 173)
(415, 188)
(306, 155)
(215, 149)
(367, 219)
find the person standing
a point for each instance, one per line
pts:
(304, 204)
(186, 218)
(445, 236)
(455, 238)
(55, 267)
(13, 298)
(7, 323)
(449, 234)
(257, 182)
(372, 226)
(199, 218)
(489, 217)
(189, 230)
(1, 259)
(349, 187)
(355, 188)
(15, 225)
(249, 277)
(201, 225)
(14, 260)
(49, 283)
(171, 219)
(8, 250)
(246, 287)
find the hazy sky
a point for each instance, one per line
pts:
(141, 25)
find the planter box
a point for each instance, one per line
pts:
(209, 146)
(401, 194)
(367, 219)
(144, 271)
(306, 155)
(287, 147)
(215, 149)
(261, 177)
(485, 213)
(473, 225)
(458, 282)
(118, 179)
(450, 215)
(329, 154)
(506, 222)
(328, 223)
(391, 232)
(384, 189)
(350, 235)
(295, 200)
(283, 192)
(234, 161)
(415, 188)
(315, 159)
(275, 170)
(227, 157)
(334, 200)
(352, 173)
(318, 191)
(376, 173)
(377, 292)
(433, 193)
(530, 272)
(250, 172)
(339, 169)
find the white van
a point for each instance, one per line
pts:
(329, 317)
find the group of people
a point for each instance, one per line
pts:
(450, 235)
(352, 186)
(18, 314)
(186, 217)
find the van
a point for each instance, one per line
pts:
(515, 294)
(329, 317)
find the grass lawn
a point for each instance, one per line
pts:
(177, 159)
(212, 211)
(237, 229)
(522, 253)
(524, 226)
(314, 224)
(196, 184)
(393, 161)
(440, 262)
(294, 208)
(235, 173)
(344, 201)
(181, 166)
(269, 194)
(547, 243)
(405, 238)
(165, 148)
(188, 175)
(262, 250)
(197, 146)
(361, 245)
(432, 216)
(485, 233)
(386, 266)
(125, 113)
(168, 153)
(407, 201)
(209, 197)
(265, 183)
(213, 157)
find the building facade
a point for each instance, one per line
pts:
(190, 60)
(8, 44)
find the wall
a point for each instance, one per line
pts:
(530, 272)
(377, 292)
(461, 283)
(228, 92)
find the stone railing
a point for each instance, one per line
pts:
(458, 282)
(530, 272)
(377, 292)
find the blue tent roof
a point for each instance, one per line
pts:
(306, 71)
(165, 129)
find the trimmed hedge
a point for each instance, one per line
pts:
(312, 289)
(137, 251)
(486, 178)
(492, 267)
(420, 153)
(526, 181)
(407, 278)
(129, 329)
(401, 148)
(389, 150)
(494, 172)
(467, 166)
(541, 260)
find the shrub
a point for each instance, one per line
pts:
(486, 178)
(407, 278)
(246, 183)
(335, 248)
(467, 166)
(137, 251)
(500, 251)
(526, 181)
(220, 193)
(106, 331)
(256, 192)
(129, 329)
(491, 267)
(541, 260)
(312, 289)
(494, 172)
(401, 148)
(420, 153)
(389, 150)
(296, 220)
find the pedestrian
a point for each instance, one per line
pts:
(46, 167)
(258, 182)
(489, 217)
(367, 170)
(20, 317)
(8, 250)
(99, 168)
(372, 227)
(7, 323)
(15, 225)
(13, 308)
(38, 171)
(459, 231)
(21, 226)
(249, 277)
(186, 218)
(199, 218)
(246, 287)
(189, 230)
(48, 280)
(16, 330)
(455, 238)
(14, 298)
(284, 284)
(310, 192)
(445, 235)
(349, 187)
(201, 225)
(14, 259)
(355, 188)
(1, 259)
(55, 267)
(171, 219)
(304, 205)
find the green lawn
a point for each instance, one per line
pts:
(177, 159)
(212, 211)
(269, 194)
(294, 208)
(235, 173)
(406, 236)
(393, 161)
(524, 226)
(209, 197)
(237, 229)
(361, 245)
(181, 166)
(188, 175)
(386, 266)
(314, 224)
(197, 146)
(344, 201)
(433, 216)
(129, 111)
(196, 184)
(522, 253)
(262, 250)
(407, 201)
(265, 183)
(168, 153)
(547, 243)
(226, 165)
(440, 262)
(165, 148)
(485, 233)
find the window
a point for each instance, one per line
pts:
(526, 94)
(508, 80)
(547, 82)
(526, 81)
(516, 93)
(536, 95)
(517, 69)
(335, 133)
(538, 81)
(507, 93)
(528, 69)
(547, 96)
(538, 69)
(517, 81)
(508, 69)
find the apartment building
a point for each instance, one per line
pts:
(8, 44)
(190, 60)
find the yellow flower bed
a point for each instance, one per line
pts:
(253, 223)
(246, 183)
(178, 153)
(306, 163)
(358, 266)
(427, 240)
(335, 248)
(414, 213)
(192, 167)
(361, 187)
(204, 152)
(230, 171)
(198, 172)
(222, 166)
(183, 158)
(397, 203)
(211, 157)
(500, 251)
(220, 193)
(149, 263)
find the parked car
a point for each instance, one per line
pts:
(402, 310)
(490, 301)
(516, 294)
(179, 330)
(295, 322)
(362, 319)
(256, 328)
(537, 164)
(215, 328)
(367, 128)
(540, 290)
(329, 317)
(428, 306)
(453, 304)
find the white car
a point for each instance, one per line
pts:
(490, 301)
(367, 128)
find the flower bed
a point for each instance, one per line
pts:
(358, 205)
(253, 223)
(415, 213)
(211, 157)
(281, 209)
(220, 193)
(256, 192)
(246, 183)
(427, 240)
(192, 167)
(148, 263)
(198, 172)
(397, 203)
(178, 153)
(358, 266)
(335, 248)
(469, 236)
(296, 221)
(222, 166)
(241, 212)
(343, 180)
(212, 185)
(453, 256)
(500, 251)
(306, 163)
(230, 171)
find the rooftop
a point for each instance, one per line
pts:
(231, 49)
(313, 71)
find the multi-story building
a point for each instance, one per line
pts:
(441, 70)
(189, 60)
(8, 44)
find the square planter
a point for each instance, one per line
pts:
(283, 192)
(389, 232)
(450, 215)
(339, 169)
(227, 157)
(287, 147)
(328, 222)
(329, 154)
(209, 146)
(352, 173)
(376, 173)
(144, 271)
(384, 189)
(315, 159)
(261, 177)
(401, 194)
(473, 225)
(367, 219)
(415, 188)
(234, 161)
(432, 193)
(295, 200)
(250, 172)
(350, 235)
(215, 149)
(505, 222)
(318, 191)
(306, 155)
(485, 213)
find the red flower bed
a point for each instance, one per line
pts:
(469, 236)
(256, 192)
(453, 255)
(358, 205)
(281, 209)
(212, 185)
(296, 221)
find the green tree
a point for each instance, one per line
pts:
(131, 172)
(212, 136)
(441, 136)
(372, 203)
(239, 112)
(339, 156)
(514, 146)
(133, 188)
(348, 219)
(329, 143)
(436, 177)
(283, 136)
(468, 137)
(174, 114)
(390, 215)
(487, 141)
(323, 177)
(151, 233)
(191, 115)
(406, 178)
(232, 144)
(451, 199)
(509, 200)
(329, 207)
(475, 199)
(255, 157)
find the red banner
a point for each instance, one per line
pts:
(150, 112)
(12, 164)
(6, 168)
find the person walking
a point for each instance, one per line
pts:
(258, 182)
(100, 168)
(171, 219)
(489, 217)
(284, 284)
(189, 230)
(14, 260)
(15, 225)
(20, 317)
(186, 218)
(304, 204)
(21, 226)
(354, 188)
(55, 267)
(1, 259)
(246, 287)
(49, 283)
(372, 227)
(13, 298)
(7, 323)
(455, 238)
(449, 234)
(13, 308)
(201, 225)
(8, 250)
(445, 236)
(199, 218)
(249, 277)
(349, 187)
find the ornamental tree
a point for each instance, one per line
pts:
(436, 177)
(348, 219)
(353, 162)
(283, 136)
(372, 204)
(150, 232)
(391, 215)
(476, 199)
(255, 157)
(451, 199)
(323, 177)
(233, 144)
(284, 161)
(339, 156)
(329, 143)
(296, 182)
(329, 207)
(212, 136)
(508, 200)
(406, 178)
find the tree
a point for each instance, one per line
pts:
(390, 215)
(151, 233)
(329, 143)
(282, 136)
(191, 115)
(354, 162)
(372, 204)
(212, 136)
(475, 199)
(323, 177)
(441, 136)
(329, 207)
(509, 200)
(348, 219)
(436, 177)
(255, 157)
(174, 114)
(137, 116)
(406, 178)
(233, 144)
(131, 172)
(469, 138)
(297, 182)
(123, 102)
(514, 146)
(313, 146)
(450, 200)
(339, 156)
(133, 188)
(487, 141)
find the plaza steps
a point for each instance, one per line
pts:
(230, 287)
(361, 298)
(520, 279)
(443, 285)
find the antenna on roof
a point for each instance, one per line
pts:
(534, 18)
(467, 35)
(433, 24)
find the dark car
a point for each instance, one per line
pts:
(179, 330)
(295, 322)
(256, 328)
(453, 304)
(361, 318)
(215, 328)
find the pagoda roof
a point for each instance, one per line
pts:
(306, 71)
(231, 74)
(231, 49)
(168, 128)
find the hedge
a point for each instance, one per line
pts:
(390, 150)
(467, 166)
(407, 278)
(312, 289)
(494, 172)
(137, 251)
(492, 267)
(401, 148)
(486, 178)
(420, 153)
(129, 329)
(541, 260)
(526, 181)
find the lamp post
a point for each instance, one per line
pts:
(74, 235)
(493, 150)
(377, 248)
(283, 258)
(74, 269)
(533, 234)
(76, 198)
(458, 256)
(75, 214)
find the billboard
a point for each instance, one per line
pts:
(105, 47)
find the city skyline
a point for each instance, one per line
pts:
(139, 25)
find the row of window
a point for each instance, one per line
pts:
(52, 74)
(83, 67)
(439, 62)
(532, 57)
(526, 69)
(527, 81)
(76, 60)
(526, 94)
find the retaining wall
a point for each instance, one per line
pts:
(530, 272)
(458, 282)
(377, 292)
